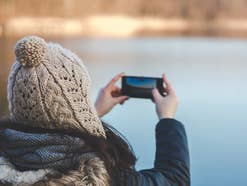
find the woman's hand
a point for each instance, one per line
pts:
(166, 106)
(109, 96)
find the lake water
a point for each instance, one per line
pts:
(209, 76)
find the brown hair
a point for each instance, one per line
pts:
(118, 149)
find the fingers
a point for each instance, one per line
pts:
(116, 91)
(121, 99)
(114, 80)
(122, 102)
(167, 83)
(169, 89)
(156, 95)
(116, 88)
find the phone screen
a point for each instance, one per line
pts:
(141, 87)
(148, 83)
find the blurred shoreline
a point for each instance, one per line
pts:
(121, 26)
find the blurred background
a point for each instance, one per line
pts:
(200, 45)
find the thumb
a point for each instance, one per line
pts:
(120, 99)
(156, 95)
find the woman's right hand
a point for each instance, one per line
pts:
(165, 106)
(109, 96)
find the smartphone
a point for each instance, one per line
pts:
(141, 87)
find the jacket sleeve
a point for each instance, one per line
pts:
(171, 165)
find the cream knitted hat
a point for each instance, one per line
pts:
(49, 87)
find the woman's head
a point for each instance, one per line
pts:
(49, 89)
(50, 85)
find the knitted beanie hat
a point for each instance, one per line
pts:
(49, 87)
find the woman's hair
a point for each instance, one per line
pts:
(115, 150)
(118, 149)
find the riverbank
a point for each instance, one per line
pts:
(120, 26)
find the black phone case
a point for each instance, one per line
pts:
(141, 92)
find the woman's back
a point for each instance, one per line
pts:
(55, 135)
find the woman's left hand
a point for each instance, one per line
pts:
(109, 96)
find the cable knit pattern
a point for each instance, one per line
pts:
(50, 85)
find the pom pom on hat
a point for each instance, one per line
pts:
(31, 51)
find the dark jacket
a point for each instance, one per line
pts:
(172, 164)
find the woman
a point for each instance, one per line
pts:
(54, 135)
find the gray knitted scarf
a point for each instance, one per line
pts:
(41, 151)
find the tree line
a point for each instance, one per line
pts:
(188, 9)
